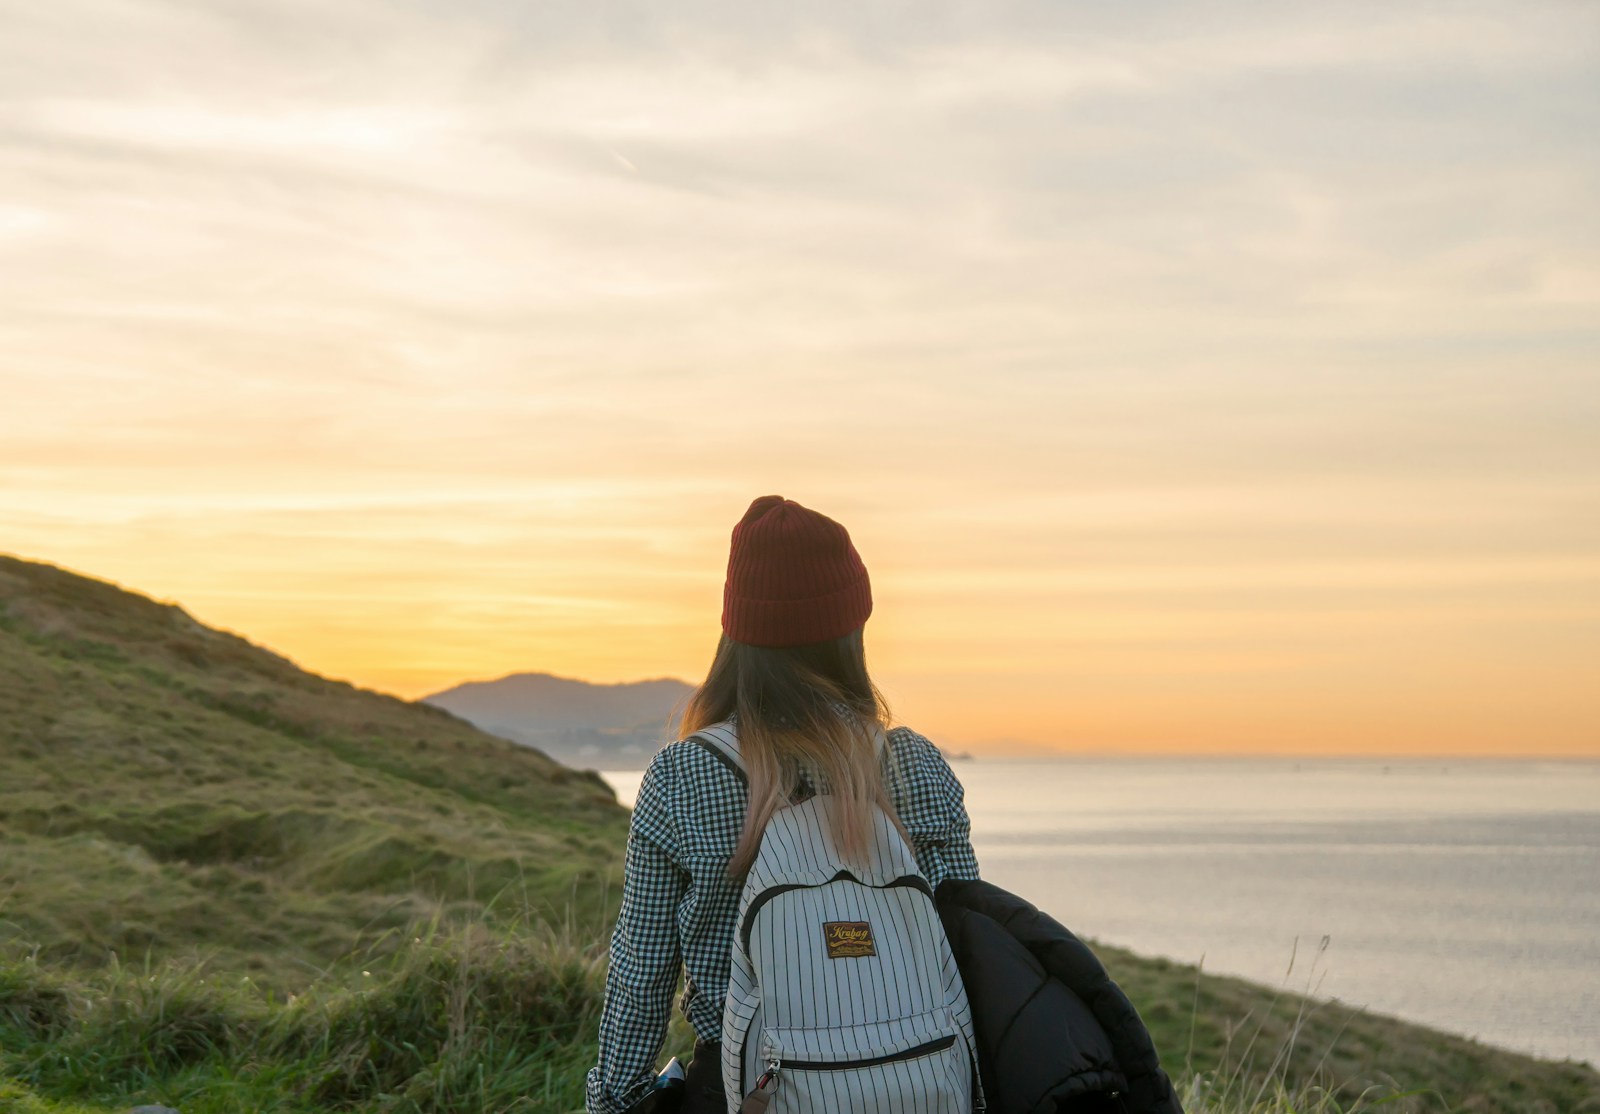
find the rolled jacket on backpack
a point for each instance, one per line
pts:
(1054, 1032)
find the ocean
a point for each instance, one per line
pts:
(1461, 894)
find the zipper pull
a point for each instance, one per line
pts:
(756, 1101)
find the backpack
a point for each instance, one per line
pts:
(843, 993)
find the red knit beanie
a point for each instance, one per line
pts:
(793, 578)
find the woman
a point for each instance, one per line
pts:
(790, 677)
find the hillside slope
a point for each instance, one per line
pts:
(167, 788)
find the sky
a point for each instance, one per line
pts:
(1192, 377)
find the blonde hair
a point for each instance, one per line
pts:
(807, 717)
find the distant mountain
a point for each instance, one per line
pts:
(609, 727)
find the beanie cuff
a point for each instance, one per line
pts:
(819, 619)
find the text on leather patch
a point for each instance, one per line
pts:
(848, 939)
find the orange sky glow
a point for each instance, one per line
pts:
(1224, 385)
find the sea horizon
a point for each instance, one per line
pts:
(1455, 893)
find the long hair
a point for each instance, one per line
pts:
(805, 714)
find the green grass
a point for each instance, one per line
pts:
(472, 1018)
(228, 885)
(175, 790)
(1238, 1044)
(502, 1017)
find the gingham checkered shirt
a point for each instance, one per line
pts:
(679, 907)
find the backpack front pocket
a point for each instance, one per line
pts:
(913, 1066)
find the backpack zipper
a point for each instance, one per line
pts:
(756, 1101)
(913, 881)
(926, 1048)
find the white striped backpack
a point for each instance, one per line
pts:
(843, 995)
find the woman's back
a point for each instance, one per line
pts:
(790, 673)
(691, 809)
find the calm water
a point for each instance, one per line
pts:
(1465, 895)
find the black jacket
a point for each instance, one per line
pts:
(1055, 1034)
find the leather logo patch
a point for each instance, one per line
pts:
(848, 939)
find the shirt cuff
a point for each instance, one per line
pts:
(598, 1101)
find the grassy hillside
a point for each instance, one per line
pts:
(231, 886)
(1232, 1039)
(169, 790)
(503, 1019)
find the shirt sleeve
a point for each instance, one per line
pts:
(645, 959)
(932, 806)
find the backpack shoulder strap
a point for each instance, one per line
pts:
(720, 742)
